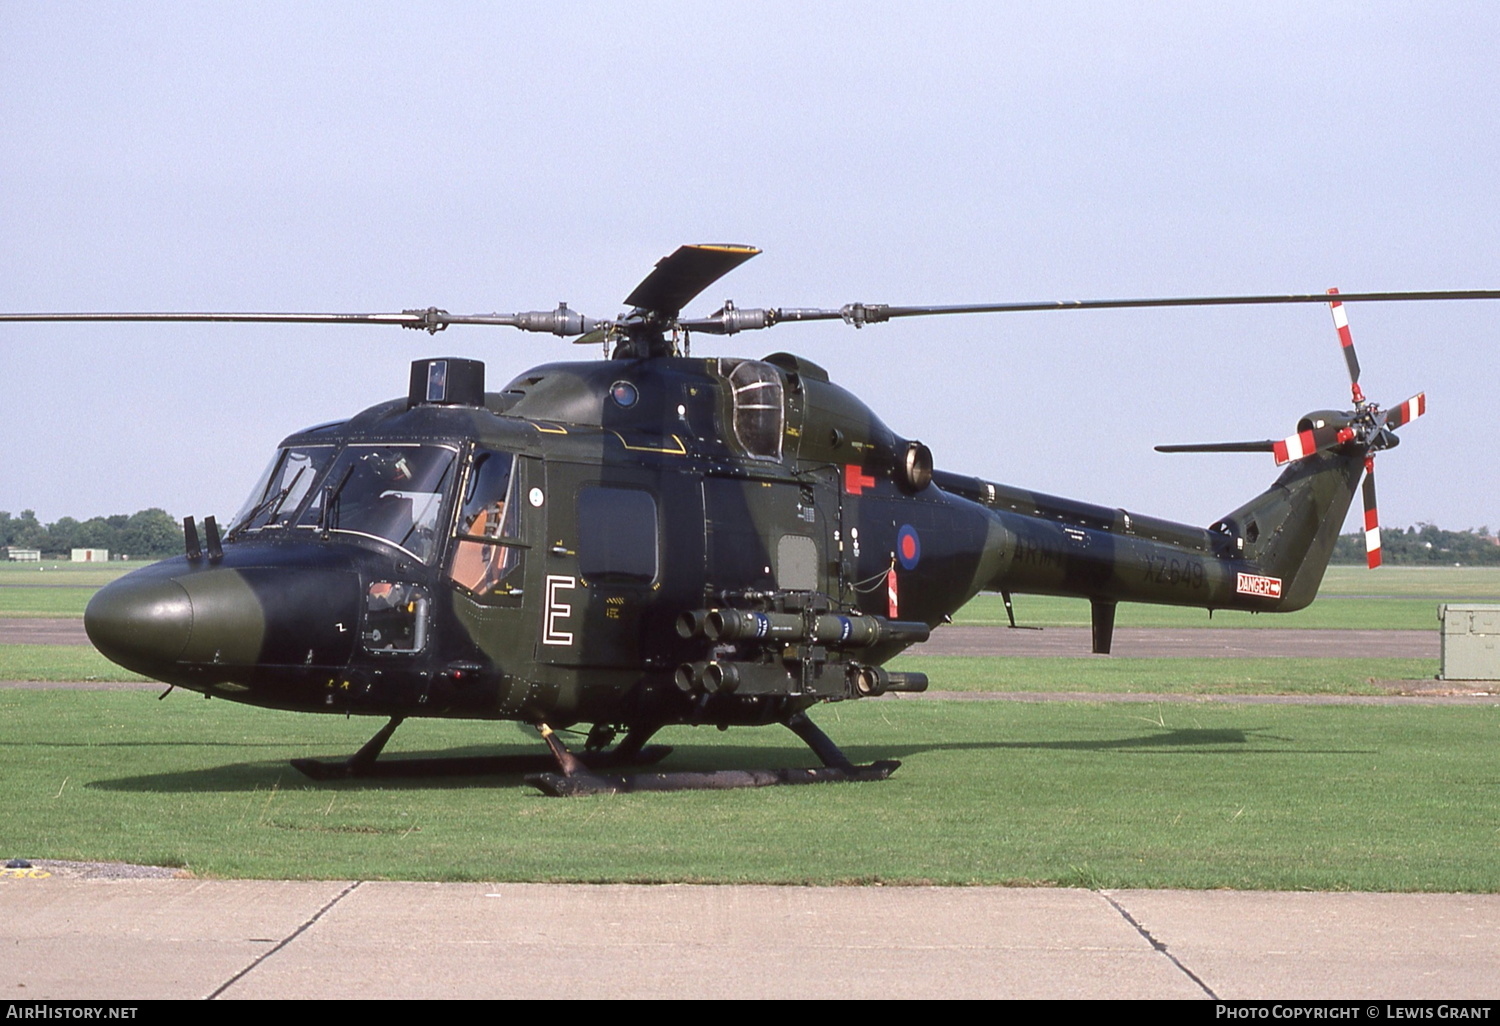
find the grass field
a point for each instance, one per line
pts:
(1351, 598)
(1078, 794)
(1169, 794)
(59, 663)
(1093, 674)
(54, 589)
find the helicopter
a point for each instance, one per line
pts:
(658, 539)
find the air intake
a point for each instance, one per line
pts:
(447, 381)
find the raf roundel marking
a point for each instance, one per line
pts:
(624, 394)
(908, 547)
(535, 496)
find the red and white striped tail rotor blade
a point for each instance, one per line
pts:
(1346, 341)
(1372, 518)
(1407, 411)
(1304, 443)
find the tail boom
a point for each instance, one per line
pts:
(1269, 555)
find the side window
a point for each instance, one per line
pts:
(758, 408)
(617, 536)
(395, 617)
(485, 555)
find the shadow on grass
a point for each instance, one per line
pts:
(143, 744)
(251, 776)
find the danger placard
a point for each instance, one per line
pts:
(1255, 584)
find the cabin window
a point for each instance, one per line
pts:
(486, 555)
(617, 536)
(758, 408)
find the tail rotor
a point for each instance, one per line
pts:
(1367, 427)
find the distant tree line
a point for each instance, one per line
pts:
(1423, 545)
(149, 534)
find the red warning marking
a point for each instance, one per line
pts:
(1340, 320)
(1372, 518)
(1255, 584)
(856, 480)
(892, 597)
(1409, 410)
(1294, 448)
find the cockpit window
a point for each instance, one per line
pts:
(392, 492)
(276, 498)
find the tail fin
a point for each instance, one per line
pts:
(1290, 529)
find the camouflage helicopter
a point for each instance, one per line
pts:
(657, 539)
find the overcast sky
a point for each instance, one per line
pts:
(479, 157)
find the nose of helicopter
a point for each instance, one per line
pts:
(141, 622)
(173, 621)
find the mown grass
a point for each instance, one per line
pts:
(59, 663)
(1351, 598)
(44, 601)
(1328, 612)
(54, 589)
(1463, 584)
(1184, 676)
(93, 575)
(1085, 794)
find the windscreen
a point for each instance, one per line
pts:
(282, 488)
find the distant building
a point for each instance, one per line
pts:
(91, 555)
(19, 555)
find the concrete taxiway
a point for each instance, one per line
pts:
(172, 938)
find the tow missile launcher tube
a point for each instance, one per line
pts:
(870, 681)
(836, 630)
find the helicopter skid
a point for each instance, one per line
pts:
(559, 785)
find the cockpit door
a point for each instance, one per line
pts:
(603, 564)
(494, 534)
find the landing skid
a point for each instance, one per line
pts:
(575, 780)
(580, 771)
(365, 765)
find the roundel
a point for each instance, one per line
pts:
(908, 547)
(624, 394)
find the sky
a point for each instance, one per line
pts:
(500, 157)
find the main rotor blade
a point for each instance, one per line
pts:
(682, 275)
(409, 319)
(731, 320)
(1117, 304)
(561, 321)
